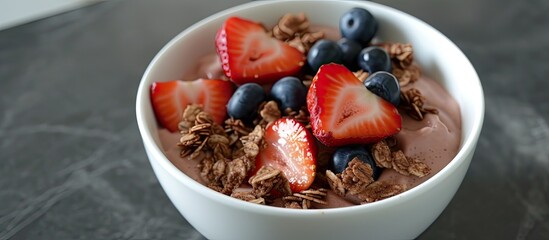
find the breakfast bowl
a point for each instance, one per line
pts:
(404, 216)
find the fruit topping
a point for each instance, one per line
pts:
(245, 101)
(384, 85)
(358, 24)
(342, 156)
(322, 52)
(374, 59)
(169, 99)
(344, 112)
(350, 50)
(289, 92)
(291, 148)
(249, 54)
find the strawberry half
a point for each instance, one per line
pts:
(169, 99)
(343, 111)
(249, 54)
(291, 148)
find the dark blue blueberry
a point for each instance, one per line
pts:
(384, 85)
(289, 92)
(358, 24)
(374, 59)
(323, 52)
(245, 101)
(343, 155)
(350, 50)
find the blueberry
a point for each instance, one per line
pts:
(358, 24)
(322, 52)
(343, 155)
(384, 85)
(245, 101)
(289, 92)
(350, 50)
(374, 59)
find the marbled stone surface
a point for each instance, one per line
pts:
(72, 161)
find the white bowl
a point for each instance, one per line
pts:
(404, 216)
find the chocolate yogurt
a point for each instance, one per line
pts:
(433, 138)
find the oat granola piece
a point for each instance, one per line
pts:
(357, 176)
(189, 139)
(335, 183)
(291, 25)
(406, 165)
(248, 197)
(236, 126)
(385, 157)
(206, 168)
(418, 168)
(382, 154)
(234, 175)
(361, 75)
(401, 53)
(305, 198)
(412, 102)
(402, 57)
(270, 112)
(304, 42)
(307, 80)
(406, 75)
(364, 187)
(292, 204)
(253, 142)
(380, 190)
(189, 116)
(400, 162)
(267, 179)
(294, 30)
(202, 118)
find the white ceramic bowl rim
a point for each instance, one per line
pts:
(147, 134)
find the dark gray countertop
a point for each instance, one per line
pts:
(73, 164)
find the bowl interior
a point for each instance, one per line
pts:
(438, 57)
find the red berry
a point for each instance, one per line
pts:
(249, 54)
(291, 148)
(343, 111)
(169, 99)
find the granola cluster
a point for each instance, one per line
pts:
(412, 102)
(223, 161)
(357, 180)
(402, 57)
(199, 134)
(305, 198)
(268, 112)
(385, 157)
(294, 29)
(268, 179)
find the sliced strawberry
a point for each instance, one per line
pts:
(169, 99)
(343, 111)
(291, 148)
(249, 54)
